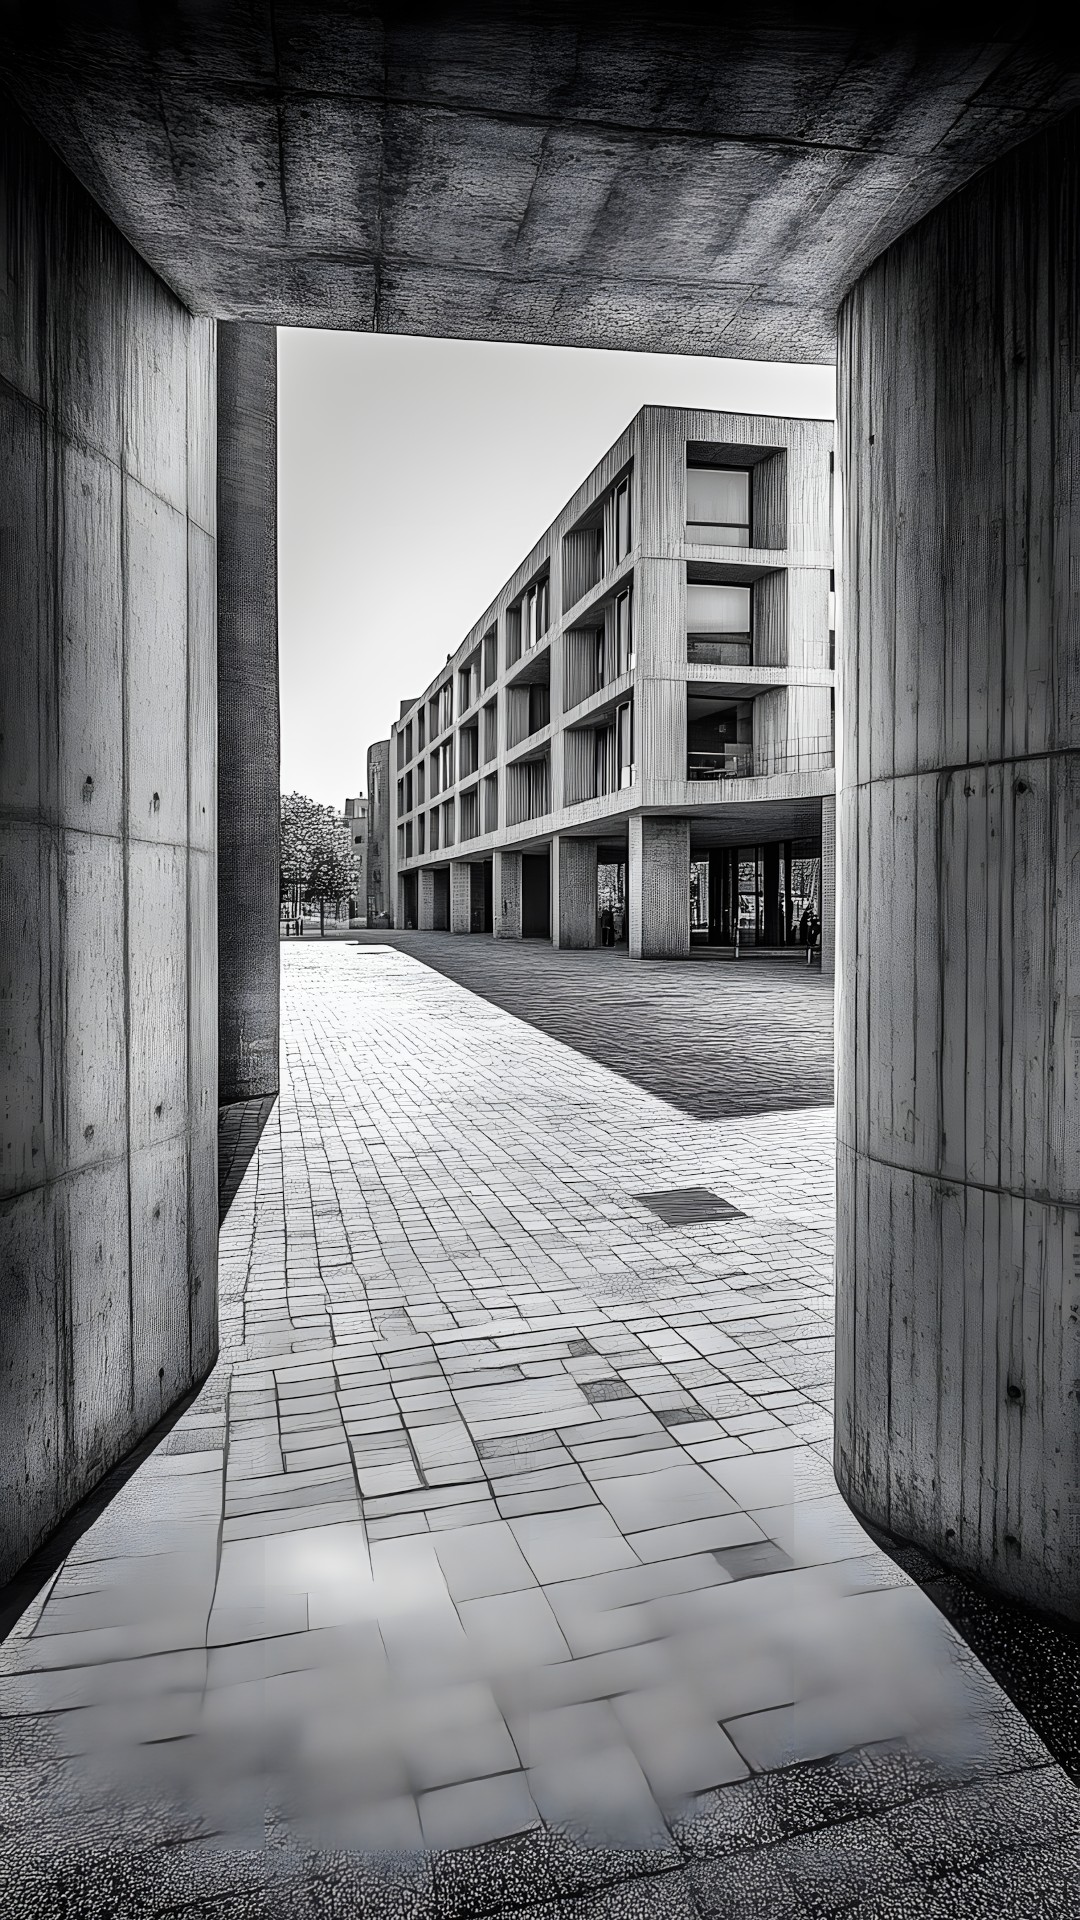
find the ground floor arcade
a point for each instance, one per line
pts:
(658, 884)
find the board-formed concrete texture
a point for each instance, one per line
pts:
(958, 1254)
(683, 181)
(249, 857)
(108, 1220)
(659, 900)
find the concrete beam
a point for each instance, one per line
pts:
(248, 726)
(631, 187)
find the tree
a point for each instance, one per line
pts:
(317, 860)
(329, 877)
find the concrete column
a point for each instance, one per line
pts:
(425, 899)
(460, 897)
(506, 894)
(248, 730)
(828, 886)
(958, 1247)
(108, 950)
(658, 887)
(573, 892)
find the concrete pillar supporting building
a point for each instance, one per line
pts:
(506, 895)
(958, 1244)
(425, 899)
(108, 954)
(658, 888)
(573, 891)
(828, 886)
(460, 897)
(248, 727)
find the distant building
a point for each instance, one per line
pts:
(635, 742)
(379, 828)
(356, 814)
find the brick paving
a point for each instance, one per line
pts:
(713, 1036)
(499, 1567)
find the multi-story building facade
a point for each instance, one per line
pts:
(380, 829)
(636, 739)
(356, 814)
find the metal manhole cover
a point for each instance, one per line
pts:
(686, 1206)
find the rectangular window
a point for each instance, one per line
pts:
(400, 797)
(491, 803)
(401, 843)
(624, 634)
(446, 778)
(420, 834)
(490, 660)
(624, 743)
(534, 611)
(434, 788)
(408, 739)
(446, 706)
(470, 814)
(420, 784)
(448, 823)
(400, 750)
(434, 830)
(717, 609)
(408, 839)
(622, 521)
(408, 791)
(718, 506)
(420, 731)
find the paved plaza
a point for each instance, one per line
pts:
(499, 1567)
(713, 1036)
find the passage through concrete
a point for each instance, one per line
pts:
(499, 1563)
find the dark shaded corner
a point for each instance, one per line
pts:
(240, 1127)
(1034, 1657)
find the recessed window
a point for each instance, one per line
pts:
(624, 634)
(534, 613)
(624, 743)
(718, 506)
(622, 521)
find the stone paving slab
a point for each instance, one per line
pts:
(499, 1566)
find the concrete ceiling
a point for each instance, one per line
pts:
(528, 172)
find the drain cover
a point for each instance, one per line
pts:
(685, 1206)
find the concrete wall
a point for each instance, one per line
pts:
(828, 886)
(573, 891)
(506, 894)
(460, 896)
(108, 1047)
(249, 864)
(658, 888)
(380, 874)
(958, 1258)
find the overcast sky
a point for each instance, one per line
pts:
(415, 475)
